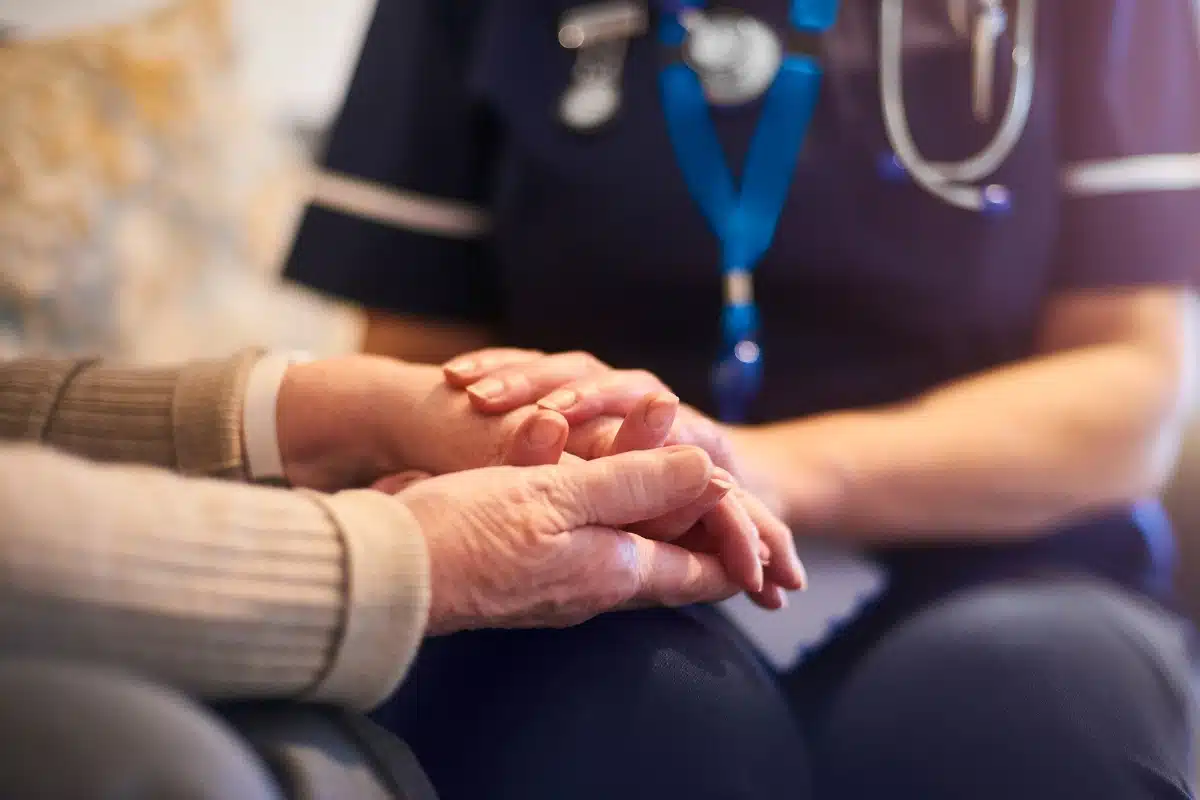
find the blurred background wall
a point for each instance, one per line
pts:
(153, 159)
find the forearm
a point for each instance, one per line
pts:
(224, 590)
(420, 341)
(183, 418)
(1010, 451)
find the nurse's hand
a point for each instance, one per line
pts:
(613, 411)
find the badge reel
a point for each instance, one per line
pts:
(599, 35)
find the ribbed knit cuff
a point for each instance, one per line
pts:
(186, 418)
(207, 416)
(387, 598)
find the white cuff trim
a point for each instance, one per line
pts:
(1165, 172)
(397, 208)
(260, 429)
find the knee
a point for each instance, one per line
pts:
(71, 731)
(1033, 652)
(679, 706)
(1011, 681)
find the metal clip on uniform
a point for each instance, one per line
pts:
(728, 58)
(599, 34)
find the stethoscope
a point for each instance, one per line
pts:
(952, 181)
(725, 58)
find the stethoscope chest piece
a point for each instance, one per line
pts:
(735, 56)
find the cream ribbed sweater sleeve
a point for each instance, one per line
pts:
(223, 589)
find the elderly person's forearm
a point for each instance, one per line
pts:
(183, 417)
(223, 590)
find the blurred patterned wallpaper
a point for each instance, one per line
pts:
(144, 206)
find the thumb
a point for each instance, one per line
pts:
(539, 439)
(627, 488)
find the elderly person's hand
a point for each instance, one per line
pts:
(554, 545)
(611, 411)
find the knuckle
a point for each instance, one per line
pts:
(489, 356)
(621, 564)
(583, 360)
(588, 572)
(501, 357)
(642, 377)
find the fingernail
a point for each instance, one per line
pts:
(487, 389)
(724, 485)
(661, 411)
(764, 553)
(783, 601)
(462, 366)
(802, 573)
(724, 475)
(561, 400)
(543, 432)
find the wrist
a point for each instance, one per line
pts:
(803, 469)
(331, 416)
(259, 416)
(758, 465)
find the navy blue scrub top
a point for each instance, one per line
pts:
(873, 292)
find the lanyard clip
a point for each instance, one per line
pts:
(737, 375)
(736, 380)
(599, 35)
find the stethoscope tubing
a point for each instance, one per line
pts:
(950, 181)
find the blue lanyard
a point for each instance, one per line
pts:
(744, 222)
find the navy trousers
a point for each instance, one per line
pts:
(1039, 689)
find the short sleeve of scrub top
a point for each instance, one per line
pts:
(1130, 144)
(394, 222)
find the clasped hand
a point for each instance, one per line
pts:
(603, 517)
(614, 411)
